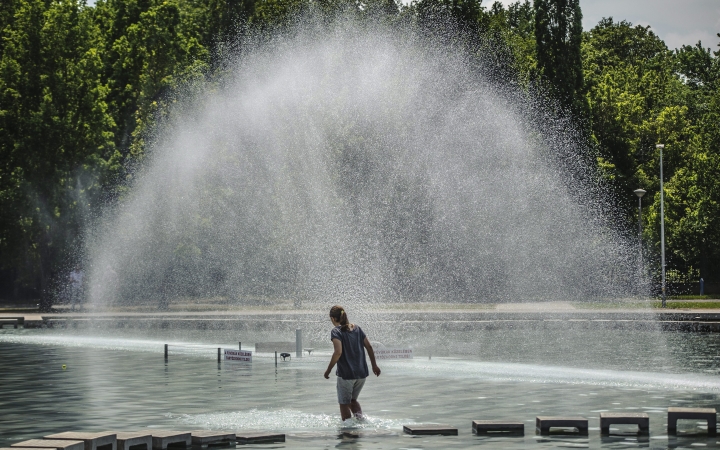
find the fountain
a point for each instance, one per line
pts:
(360, 166)
(396, 176)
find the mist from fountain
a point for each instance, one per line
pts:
(357, 164)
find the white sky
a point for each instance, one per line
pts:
(677, 22)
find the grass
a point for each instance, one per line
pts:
(650, 304)
(639, 304)
(688, 304)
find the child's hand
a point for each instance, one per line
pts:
(376, 371)
(327, 374)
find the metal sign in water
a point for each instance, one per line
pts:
(238, 355)
(394, 353)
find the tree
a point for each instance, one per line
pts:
(465, 13)
(558, 37)
(224, 20)
(150, 47)
(57, 135)
(694, 212)
(630, 86)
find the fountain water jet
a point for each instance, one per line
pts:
(362, 166)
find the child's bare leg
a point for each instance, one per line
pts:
(356, 409)
(345, 411)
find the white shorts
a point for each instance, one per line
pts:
(348, 390)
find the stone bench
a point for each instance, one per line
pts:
(13, 322)
(93, 441)
(544, 423)
(128, 439)
(23, 448)
(258, 438)
(497, 426)
(59, 444)
(443, 430)
(33, 321)
(162, 438)
(204, 438)
(640, 419)
(709, 414)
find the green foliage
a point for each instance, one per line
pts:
(82, 89)
(629, 83)
(465, 12)
(558, 36)
(641, 94)
(56, 136)
(688, 305)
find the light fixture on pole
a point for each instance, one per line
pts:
(662, 224)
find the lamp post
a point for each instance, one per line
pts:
(640, 193)
(662, 225)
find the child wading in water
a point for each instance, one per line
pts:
(349, 343)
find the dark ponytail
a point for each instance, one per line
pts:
(338, 313)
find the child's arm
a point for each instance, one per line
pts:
(337, 353)
(371, 353)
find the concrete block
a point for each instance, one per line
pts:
(57, 444)
(544, 423)
(443, 430)
(24, 448)
(127, 439)
(709, 414)
(642, 420)
(258, 438)
(93, 441)
(33, 321)
(13, 322)
(504, 426)
(162, 438)
(204, 438)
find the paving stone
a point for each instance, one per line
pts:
(58, 444)
(162, 438)
(709, 414)
(544, 423)
(13, 322)
(418, 429)
(487, 426)
(24, 448)
(642, 420)
(33, 321)
(204, 438)
(127, 439)
(259, 438)
(93, 441)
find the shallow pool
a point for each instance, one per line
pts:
(113, 382)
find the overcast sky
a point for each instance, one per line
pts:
(677, 22)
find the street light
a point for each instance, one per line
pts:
(640, 193)
(662, 224)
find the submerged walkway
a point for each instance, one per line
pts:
(452, 316)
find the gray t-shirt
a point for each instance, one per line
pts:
(352, 364)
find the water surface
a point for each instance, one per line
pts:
(111, 383)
